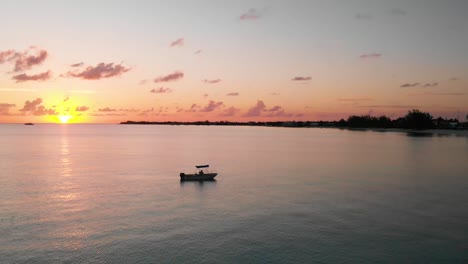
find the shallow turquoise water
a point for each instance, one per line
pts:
(111, 194)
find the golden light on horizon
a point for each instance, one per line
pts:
(64, 118)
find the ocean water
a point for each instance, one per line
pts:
(111, 194)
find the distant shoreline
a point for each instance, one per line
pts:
(306, 124)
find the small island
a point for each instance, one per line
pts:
(413, 120)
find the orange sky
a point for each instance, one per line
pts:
(114, 61)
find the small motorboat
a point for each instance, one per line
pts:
(28, 124)
(202, 174)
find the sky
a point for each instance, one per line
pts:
(112, 61)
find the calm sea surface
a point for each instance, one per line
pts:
(111, 194)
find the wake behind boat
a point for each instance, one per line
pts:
(203, 174)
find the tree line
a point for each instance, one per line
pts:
(414, 119)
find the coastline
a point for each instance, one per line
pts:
(309, 124)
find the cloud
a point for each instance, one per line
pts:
(198, 51)
(7, 55)
(35, 77)
(274, 94)
(434, 84)
(100, 71)
(232, 94)
(75, 65)
(274, 109)
(441, 94)
(170, 77)
(231, 111)
(25, 61)
(260, 109)
(16, 90)
(251, 14)
(398, 12)
(34, 107)
(363, 16)
(31, 105)
(257, 109)
(406, 85)
(388, 106)
(453, 79)
(161, 90)
(107, 109)
(371, 56)
(178, 42)
(82, 108)
(193, 108)
(66, 99)
(212, 105)
(355, 99)
(5, 108)
(212, 81)
(301, 78)
(205, 95)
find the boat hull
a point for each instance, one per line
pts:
(198, 177)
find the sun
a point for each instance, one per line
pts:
(64, 118)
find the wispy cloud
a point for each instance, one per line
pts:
(16, 90)
(5, 108)
(434, 84)
(25, 61)
(198, 51)
(231, 111)
(453, 79)
(75, 65)
(178, 42)
(212, 81)
(409, 85)
(161, 90)
(100, 71)
(232, 94)
(212, 105)
(439, 94)
(388, 106)
(251, 14)
(82, 108)
(107, 109)
(7, 55)
(371, 56)
(193, 108)
(301, 78)
(35, 77)
(358, 99)
(177, 75)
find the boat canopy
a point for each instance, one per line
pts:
(202, 166)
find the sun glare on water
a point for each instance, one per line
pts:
(64, 118)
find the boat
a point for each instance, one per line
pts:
(202, 174)
(28, 124)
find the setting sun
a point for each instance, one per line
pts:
(64, 118)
